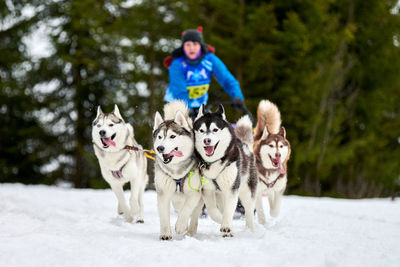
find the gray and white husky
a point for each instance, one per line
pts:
(230, 164)
(176, 168)
(272, 151)
(121, 160)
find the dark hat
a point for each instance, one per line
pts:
(193, 35)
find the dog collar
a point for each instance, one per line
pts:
(131, 148)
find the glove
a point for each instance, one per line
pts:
(238, 103)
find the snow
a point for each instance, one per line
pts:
(53, 226)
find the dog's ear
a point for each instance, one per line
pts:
(282, 132)
(200, 113)
(157, 121)
(116, 112)
(221, 111)
(99, 113)
(265, 133)
(181, 120)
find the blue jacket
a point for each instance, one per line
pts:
(190, 82)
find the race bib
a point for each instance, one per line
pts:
(197, 91)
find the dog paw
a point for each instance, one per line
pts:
(180, 229)
(139, 221)
(225, 229)
(227, 235)
(274, 213)
(128, 217)
(165, 237)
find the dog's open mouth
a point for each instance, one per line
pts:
(108, 141)
(168, 157)
(210, 149)
(276, 162)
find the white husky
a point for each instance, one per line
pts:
(121, 160)
(176, 168)
(272, 151)
(229, 163)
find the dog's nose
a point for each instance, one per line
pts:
(277, 155)
(207, 141)
(160, 149)
(102, 133)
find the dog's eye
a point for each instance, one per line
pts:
(172, 136)
(271, 146)
(159, 137)
(215, 130)
(281, 146)
(201, 130)
(111, 125)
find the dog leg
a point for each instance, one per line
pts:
(141, 206)
(184, 214)
(122, 206)
(163, 205)
(194, 219)
(248, 203)
(230, 202)
(276, 204)
(211, 205)
(134, 200)
(260, 209)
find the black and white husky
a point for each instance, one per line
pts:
(272, 151)
(230, 164)
(121, 160)
(176, 168)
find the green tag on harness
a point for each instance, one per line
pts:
(203, 182)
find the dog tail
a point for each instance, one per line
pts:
(244, 130)
(268, 115)
(173, 107)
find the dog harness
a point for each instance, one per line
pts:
(179, 184)
(118, 174)
(271, 184)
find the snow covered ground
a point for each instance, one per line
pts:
(52, 226)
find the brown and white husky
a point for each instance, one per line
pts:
(272, 151)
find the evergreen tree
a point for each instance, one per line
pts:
(23, 146)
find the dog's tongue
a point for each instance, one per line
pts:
(176, 153)
(209, 150)
(109, 142)
(281, 167)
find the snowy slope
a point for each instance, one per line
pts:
(51, 226)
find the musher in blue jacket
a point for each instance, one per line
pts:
(191, 67)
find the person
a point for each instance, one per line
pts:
(191, 67)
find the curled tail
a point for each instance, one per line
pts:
(268, 115)
(244, 131)
(173, 107)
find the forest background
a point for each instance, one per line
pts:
(332, 67)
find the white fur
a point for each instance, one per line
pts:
(113, 158)
(225, 176)
(178, 167)
(269, 121)
(268, 114)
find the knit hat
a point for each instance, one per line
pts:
(193, 35)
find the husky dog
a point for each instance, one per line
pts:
(121, 160)
(176, 167)
(229, 163)
(272, 151)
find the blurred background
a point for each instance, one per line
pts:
(332, 67)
